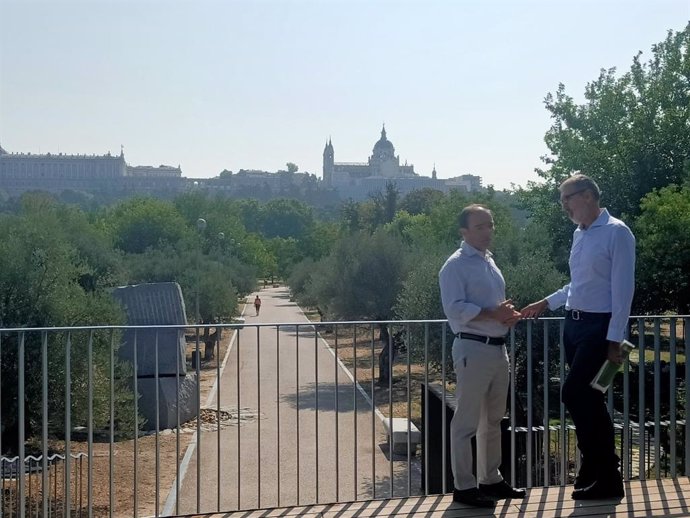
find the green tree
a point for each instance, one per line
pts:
(141, 223)
(300, 282)
(350, 216)
(287, 253)
(285, 218)
(319, 239)
(201, 278)
(632, 135)
(291, 168)
(40, 273)
(663, 244)
(362, 276)
(421, 201)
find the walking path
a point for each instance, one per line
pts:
(306, 434)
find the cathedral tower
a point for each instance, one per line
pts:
(328, 163)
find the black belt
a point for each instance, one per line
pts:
(576, 314)
(491, 340)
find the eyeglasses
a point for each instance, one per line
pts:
(565, 198)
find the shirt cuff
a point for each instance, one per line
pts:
(552, 301)
(615, 336)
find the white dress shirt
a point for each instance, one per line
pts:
(602, 273)
(470, 281)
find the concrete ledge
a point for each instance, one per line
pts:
(399, 436)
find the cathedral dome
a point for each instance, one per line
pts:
(383, 146)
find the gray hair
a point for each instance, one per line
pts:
(582, 182)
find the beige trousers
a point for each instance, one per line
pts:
(482, 373)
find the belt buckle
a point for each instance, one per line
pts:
(575, 314)
(488, 340)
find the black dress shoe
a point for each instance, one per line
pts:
(473, 497)
(601, 489)
(501, 490)
(585, 477)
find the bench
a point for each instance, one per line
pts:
(398, 434)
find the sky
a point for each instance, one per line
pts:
(214, 85)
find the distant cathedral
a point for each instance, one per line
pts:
(383, 163)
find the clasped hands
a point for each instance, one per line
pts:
(615, 351)
(506, 313)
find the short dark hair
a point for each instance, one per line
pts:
(464, 218)
(582, 182)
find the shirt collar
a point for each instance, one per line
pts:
(470, 250)
(601, 220)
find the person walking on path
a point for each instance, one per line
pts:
(257, 305)
(473, 297)
(597, 301)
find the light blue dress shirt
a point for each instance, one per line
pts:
(602, 273)
(470, 281)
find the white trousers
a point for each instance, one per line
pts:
(482, 372)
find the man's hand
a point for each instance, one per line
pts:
(535, 309)
(615, 353)
(506, 313)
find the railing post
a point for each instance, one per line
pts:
(641, 400)
(672, 396)
(425, 417)
(89, 428)
(513, 406)
(564, 428)
(21, 504)
(111, 425)
(626, 457)
(547, 432)
(136, 425)
(443, 406)
(530, 416)
(68, 425)
(657, 396)
(686, 331)
(44, 416)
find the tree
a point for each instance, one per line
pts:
(197, 275)
(632, 135)
(285, 218)
(350, 216)
(141, 223)
(663, 244)
(319, 239)
(287, 253)
(291, 168)
(300, 281)
(40, 273)
(421, 201)
(362, 276)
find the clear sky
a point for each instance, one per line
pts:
(254, 84)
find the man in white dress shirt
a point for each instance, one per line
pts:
(597, 301)
(473, 297)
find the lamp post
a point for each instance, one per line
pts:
(201, 226)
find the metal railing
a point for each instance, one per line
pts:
(267, 415)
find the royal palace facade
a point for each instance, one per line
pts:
(21, 172)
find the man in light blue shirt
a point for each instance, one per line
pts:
(597, 302)
(473, 297)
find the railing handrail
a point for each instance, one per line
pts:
(239, 325)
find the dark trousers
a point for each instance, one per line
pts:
(586, 349)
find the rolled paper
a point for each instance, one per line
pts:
(604, 378)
